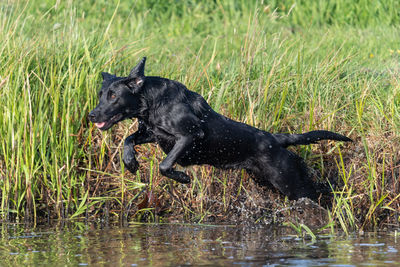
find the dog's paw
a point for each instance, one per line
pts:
(182, 178)
(132, 166)
(178, 176)
(130, 161)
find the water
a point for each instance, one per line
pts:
(183, 245)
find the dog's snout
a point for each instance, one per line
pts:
(92, 116)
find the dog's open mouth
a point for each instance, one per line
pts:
(100, 124)
(105, 125)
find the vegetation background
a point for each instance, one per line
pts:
(283, 66)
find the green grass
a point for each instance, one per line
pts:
(276, 65)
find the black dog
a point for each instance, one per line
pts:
(190, 132)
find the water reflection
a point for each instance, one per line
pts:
(173, 245)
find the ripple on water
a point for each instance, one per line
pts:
(172, 244)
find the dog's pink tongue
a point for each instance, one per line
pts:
(99, 124)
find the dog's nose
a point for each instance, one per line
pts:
(92, 116)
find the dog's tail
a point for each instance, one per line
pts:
(312, 137)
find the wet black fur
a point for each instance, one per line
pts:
(190, 132)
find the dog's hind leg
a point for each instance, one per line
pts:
(141, 136)
(286, 172)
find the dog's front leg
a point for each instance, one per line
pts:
(129, 158)
(166, 166)
(141, 136)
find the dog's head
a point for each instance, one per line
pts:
(119, 97)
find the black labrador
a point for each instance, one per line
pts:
(190, 132)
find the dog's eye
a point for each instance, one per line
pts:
(111, 95)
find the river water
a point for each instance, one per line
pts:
(185, 245)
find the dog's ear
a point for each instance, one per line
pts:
(138, 70)
(107, 76)
(136, 77)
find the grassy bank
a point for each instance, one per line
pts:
(279, 66)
